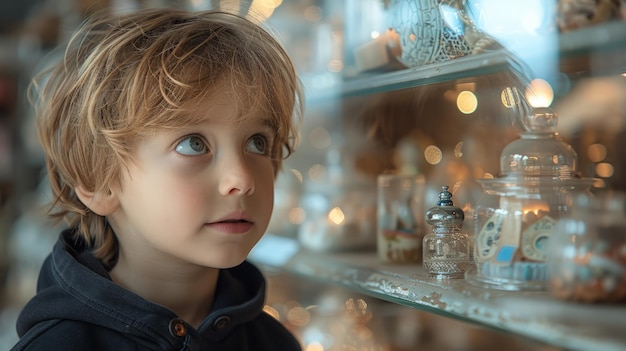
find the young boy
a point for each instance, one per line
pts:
(163, 133)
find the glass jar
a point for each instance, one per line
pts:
(516, 216)
(400, 213)
(513, 222)
(587, 261)
(446, 249)
(339, 209)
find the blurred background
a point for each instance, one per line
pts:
(449, 123)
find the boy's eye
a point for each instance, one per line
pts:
(192, 145)
(258, 144)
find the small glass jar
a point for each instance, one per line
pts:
(446, 249)
(587, 260)
(339, 209)
(400, 214)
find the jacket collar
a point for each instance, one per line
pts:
(73, 284)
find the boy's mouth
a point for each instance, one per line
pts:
(235, 221)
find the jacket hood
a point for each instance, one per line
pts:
(74, 285)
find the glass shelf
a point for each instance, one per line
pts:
(590, 40)
(536, 315)
(605, 42)
(463, 67)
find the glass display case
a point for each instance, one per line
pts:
(377, 91)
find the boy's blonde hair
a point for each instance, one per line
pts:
(122, 77)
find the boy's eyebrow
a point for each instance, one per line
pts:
(266, 122)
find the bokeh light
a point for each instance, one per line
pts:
(540, 93)
(433, 154)
(466, 102)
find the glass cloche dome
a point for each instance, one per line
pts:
(515, 217)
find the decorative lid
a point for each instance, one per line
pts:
(445, 214)
(539, 152)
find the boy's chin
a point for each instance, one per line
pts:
(231, 262)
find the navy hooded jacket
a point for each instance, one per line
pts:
(78, 307)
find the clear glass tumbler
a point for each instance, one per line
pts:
(587, 257)
(400, 214)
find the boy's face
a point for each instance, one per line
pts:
(201, 194)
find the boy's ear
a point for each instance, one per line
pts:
(99, 202)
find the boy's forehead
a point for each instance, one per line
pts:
(227, 104)
(227, 98)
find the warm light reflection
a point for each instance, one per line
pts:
(314, 346)
(596, 152)
(230, 6)
(555, 159)
(598, 183)
(458, 150)
(259, 10)
(317, 172)
(374, 34)
(271, 311)
(466, 102)
(264, 8)
(298, 316)
(335, 65)
(319, 138)
(297, 174)
(313, 13)
(604, 170)
(336, 215)
(271, 3)
(356, 307)
(534, 210)
(196, 3)
(296, 215)
(510, 97)
(433, 154)
(540, 93)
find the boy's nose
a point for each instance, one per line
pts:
(237, 178)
